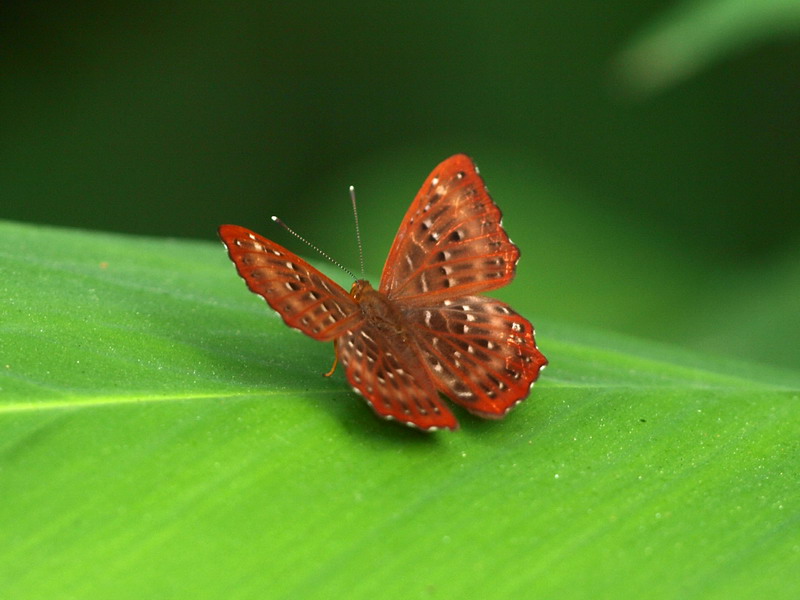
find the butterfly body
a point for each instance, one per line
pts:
(378, 311)
(424, 330)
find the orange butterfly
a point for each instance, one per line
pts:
(424, 330)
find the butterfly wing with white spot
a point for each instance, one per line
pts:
(388, 374)
(479, 352)
(305, 298)
(451, 242)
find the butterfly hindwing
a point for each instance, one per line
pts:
(451, 241)
(390, 377)
(479, 351)
(304, 297)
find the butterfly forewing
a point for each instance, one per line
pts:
(305, 298)
(481, 353)
(451, 241)
(391, 378)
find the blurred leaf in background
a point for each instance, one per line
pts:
(694, 34)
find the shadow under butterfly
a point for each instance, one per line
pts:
(424, 330)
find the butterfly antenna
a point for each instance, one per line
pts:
(309, 244)
(358, 230)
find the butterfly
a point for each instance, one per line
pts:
(425, 330)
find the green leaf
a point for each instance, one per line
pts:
(694, 34)
(162, 434)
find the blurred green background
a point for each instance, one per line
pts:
(645, 154)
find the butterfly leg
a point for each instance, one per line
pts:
(335, 358)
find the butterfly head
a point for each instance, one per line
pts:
(360, 287)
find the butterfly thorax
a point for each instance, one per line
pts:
(377, 309)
